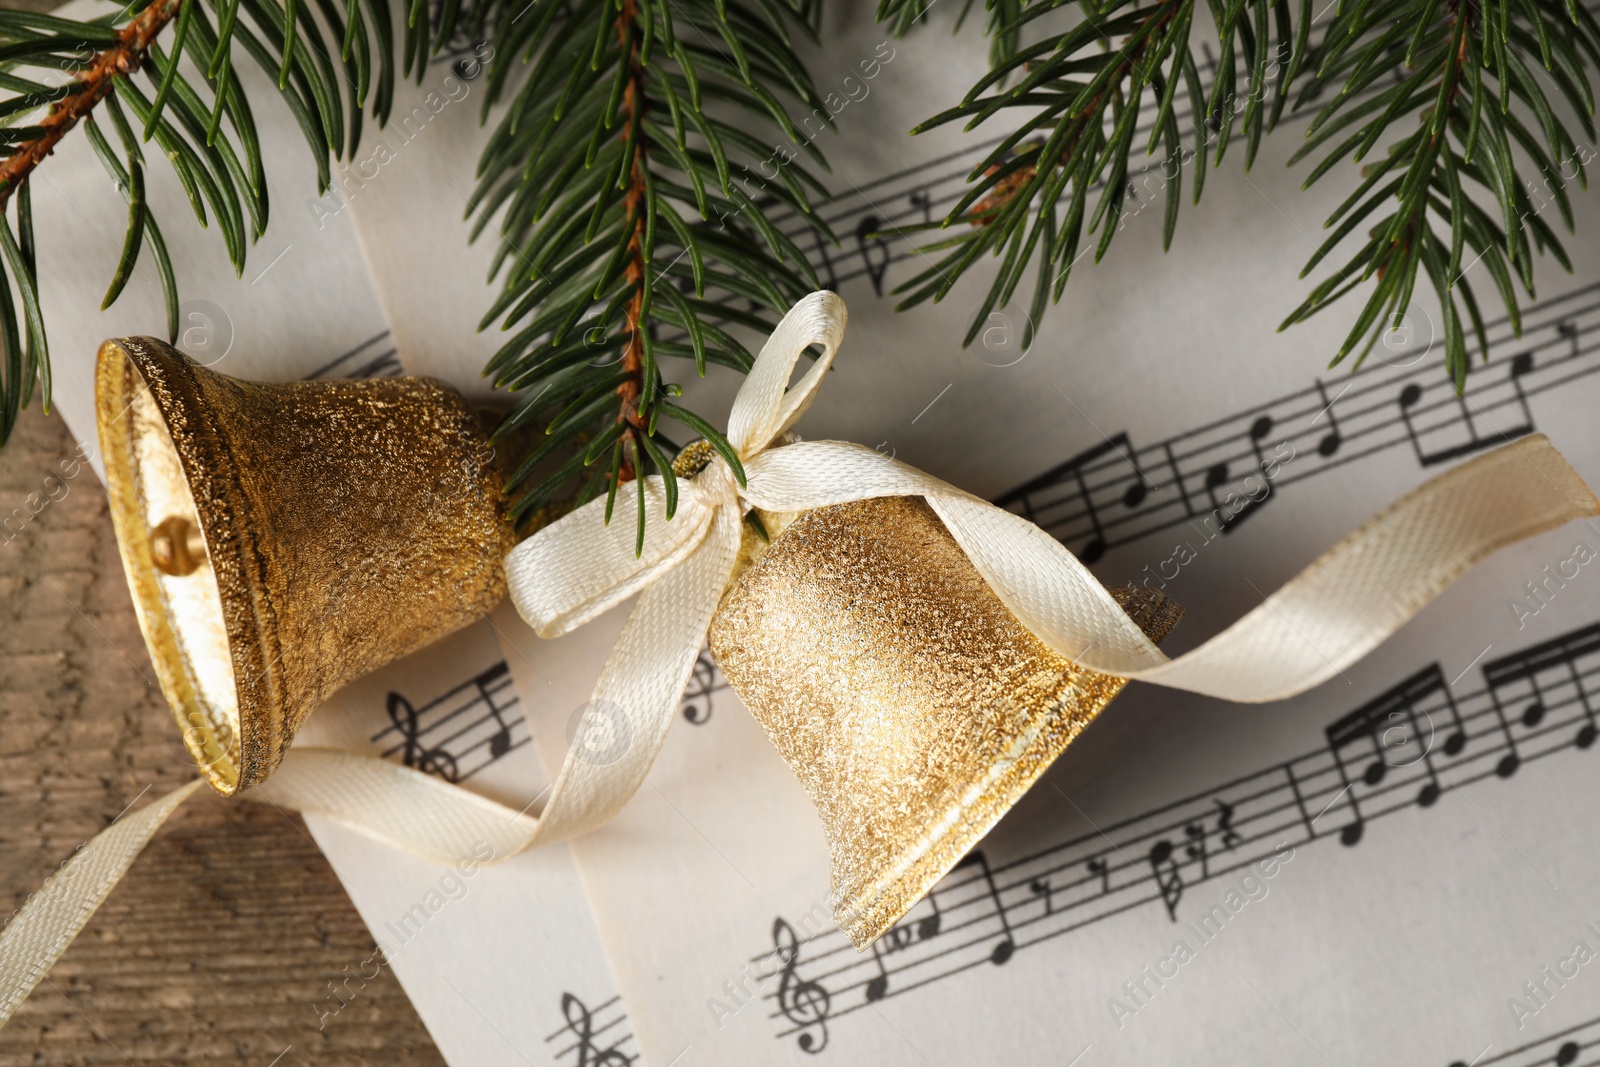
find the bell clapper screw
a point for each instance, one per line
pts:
(177, 547)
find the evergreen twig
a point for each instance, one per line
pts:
(1491, 82)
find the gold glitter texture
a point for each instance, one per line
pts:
(343, 524)
(915, 709)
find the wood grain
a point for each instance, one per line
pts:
(220, 945)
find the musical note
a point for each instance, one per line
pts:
(1169, 879)
(874, 249)
(1569, 329)
(1177, 479)
(878, 985)
(803, 1003)
(500, 740)
(1099, 866)
(1389, 722)
(459, 733)
(1332, 439)
(1196, 850)
(1559, 655)
(929, 927)
(1521, 366)
(1588, 731)
(1411, 395)
(1259, 429)
(1132, 494)
(580, 1021)
(1007, 944)
(1230, 836)
(1352, 831)
(1300, 802)
(1567, 1053)
(1216, 478)
(1392, 721)
(920, 198)
(1457, 741)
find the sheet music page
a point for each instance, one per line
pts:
(503, 961)
(1391, 869)
(1386, 870)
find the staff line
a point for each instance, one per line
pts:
(1376, 380)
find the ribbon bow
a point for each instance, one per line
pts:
(1333, 613)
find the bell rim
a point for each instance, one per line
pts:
(209, 468)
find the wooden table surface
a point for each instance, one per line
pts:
(231, 926)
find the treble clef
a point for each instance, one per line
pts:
(580, 1020)
(413, 753)
(803, 1003)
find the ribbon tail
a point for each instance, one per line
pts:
(52, 917)
(412, 811)
(1349, 601)
(1341, 607)
(1359, 592)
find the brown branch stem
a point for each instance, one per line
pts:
(92, 85)
(634, 207)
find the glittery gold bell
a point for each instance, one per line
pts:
(282, 540)
(912, 705)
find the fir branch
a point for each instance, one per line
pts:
(1475, 75)
(87, 89)
(219, 165)
(1028, 200)
(1467, 62)
(1000, 21)
(631, 198)
(634, 205)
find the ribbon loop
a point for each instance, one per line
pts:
(764, 407)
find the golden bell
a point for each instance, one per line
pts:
(282, 540)
(915, 709)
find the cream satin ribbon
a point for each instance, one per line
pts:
(1326, 618)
